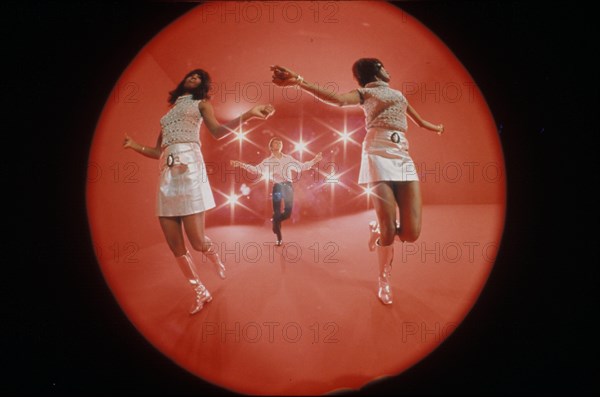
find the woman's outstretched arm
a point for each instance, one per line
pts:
(439, 128)
(284, 77)
(219, 130)
(148, 151)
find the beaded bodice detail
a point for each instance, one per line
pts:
(182, 123)
(384, 107)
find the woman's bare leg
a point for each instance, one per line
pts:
(408, 197)
(171, 227)
(384, 201)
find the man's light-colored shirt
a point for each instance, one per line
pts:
(279, 169)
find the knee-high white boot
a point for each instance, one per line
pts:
(212, 255)
(385, 256)
(373, 234)
(186, 264)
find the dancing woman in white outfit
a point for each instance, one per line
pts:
(385, 164)
(184, 192)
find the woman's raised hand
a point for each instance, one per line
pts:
(440, 129)
(283, 76)
(128, 142)
(262, 111)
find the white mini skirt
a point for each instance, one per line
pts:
(183, 187)
(385, 157)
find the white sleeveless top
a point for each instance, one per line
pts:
(182, 123)
(384, 107)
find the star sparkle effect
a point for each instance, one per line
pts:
(334, 179)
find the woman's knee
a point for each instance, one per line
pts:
(176, 245)
(387, 232)
(410, 234)
(201, 245)
(178, 249)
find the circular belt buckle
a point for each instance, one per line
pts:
(395, 137)
(170, 160)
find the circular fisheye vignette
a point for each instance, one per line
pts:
(281, 325)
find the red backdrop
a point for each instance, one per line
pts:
(236, 43)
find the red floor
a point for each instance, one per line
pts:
(305, 318)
